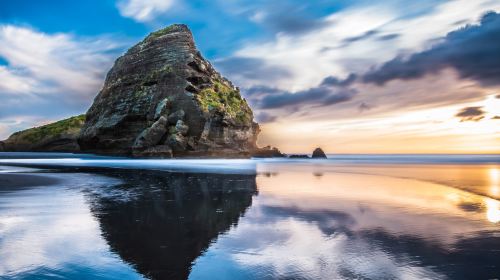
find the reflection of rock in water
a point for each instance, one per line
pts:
(318, 174)
(169, 218)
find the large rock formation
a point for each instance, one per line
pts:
(55, 137)
(163, 98)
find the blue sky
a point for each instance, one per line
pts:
(329, 73)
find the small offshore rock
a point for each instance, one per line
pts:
(267, 152)
(318, 153)
(298, 156)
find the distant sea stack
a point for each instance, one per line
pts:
(318, 153)
(163, 99)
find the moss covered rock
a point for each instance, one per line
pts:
(58, 136)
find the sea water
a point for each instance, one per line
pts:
(347, 217)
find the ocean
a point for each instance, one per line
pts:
(347, 217)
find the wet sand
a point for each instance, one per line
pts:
(16, 181)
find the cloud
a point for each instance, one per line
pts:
(265, 118)
(366, 35)
(143, 10)
(472, 51)
(471, 114)
(388, 37)
(280, 16)
(43, 63)
(50, 75)
(364, 107)
(330, 91)
(399, 30)
(259, 91)
(244, 70)
(334, 81)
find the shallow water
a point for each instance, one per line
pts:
(352, 217)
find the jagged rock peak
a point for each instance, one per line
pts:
(162, 94)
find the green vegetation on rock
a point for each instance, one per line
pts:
(162, 32)
(67, 126)
(224, 99)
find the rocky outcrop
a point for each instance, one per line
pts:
(267, 152)
(298, 156)
(161, 96)
(318, 153)
(60, 136)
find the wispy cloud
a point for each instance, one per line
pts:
(50, 74)
(474, 114)
(287, 17)
(330, 91)
(143, 10)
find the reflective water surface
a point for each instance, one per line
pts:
(355, 217)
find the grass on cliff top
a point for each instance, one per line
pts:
(227, 100)
(66, 126)
(163, 31)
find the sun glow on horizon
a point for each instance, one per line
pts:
(433, 130)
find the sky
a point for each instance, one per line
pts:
(350, 76)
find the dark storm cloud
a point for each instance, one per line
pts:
(330, 91)
(474, 51)
(251, 68)
(471, 114)
(334, 81)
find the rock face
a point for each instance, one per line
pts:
(318, 153)
(163, 95)
(60, 136)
